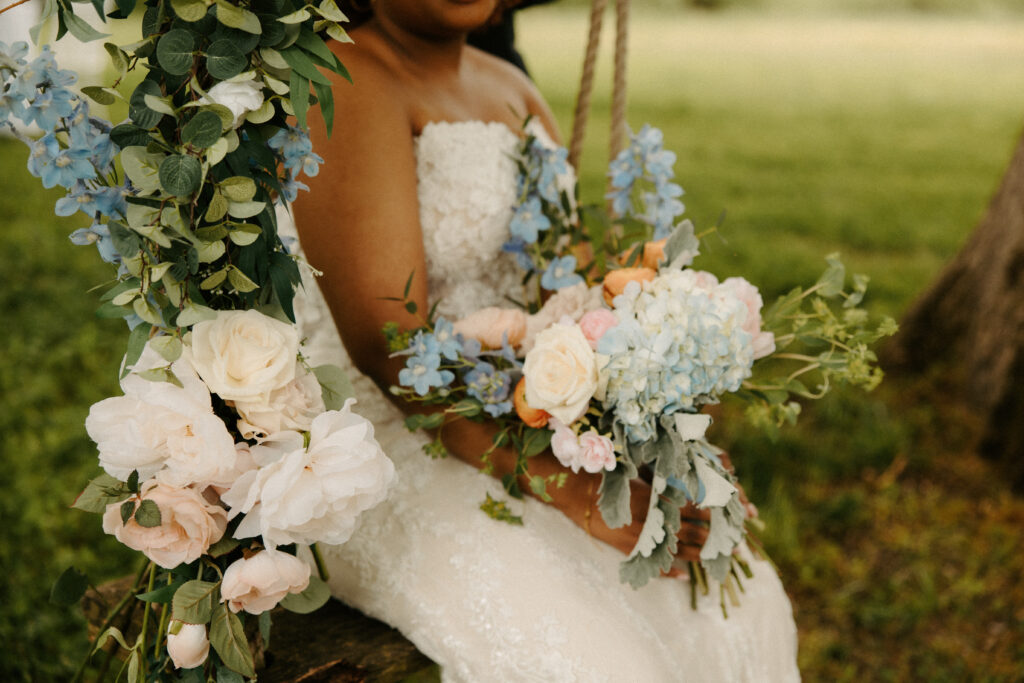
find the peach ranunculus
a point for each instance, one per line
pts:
(257, 583)
(595, 323)
(616, 280)
(189, 525)
(489, 325)
(189, 647)
(597, 452)
(654, 253)
(561, 372)
(532, 417)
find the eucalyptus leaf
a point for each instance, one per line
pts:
(174, 51)
(240, 281)
(242, 238)
(189, 10)
(180, 174)
(214, 280)
(224, 60)
(215, 154)
(328, 9)
(296, 17)
(138, 112)
(228, 639)
(245, 209)
(273, 58)
(193, 313)
(263, 114)
(168, 346)
(202, 130)
(99, 95)
(210, 251)
(142, 168)
(313, 598)
(117, 58)
(237, 17)
(238, 188)
(81, 29)
(338, 33)
(194, 601)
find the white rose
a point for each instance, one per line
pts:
(162, 429)
(257, 583)
(189, 647)
(306, 495)
(189, 525)
(244, 355)
(240, 97)
(561, 373)
(291, 407)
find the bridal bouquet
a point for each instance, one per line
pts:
(226, 451)
(618, 345)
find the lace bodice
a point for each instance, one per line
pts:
(487, 600)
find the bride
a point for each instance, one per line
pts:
(418, 179)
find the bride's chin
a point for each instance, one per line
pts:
(436, 17)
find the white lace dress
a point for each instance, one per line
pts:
(487, 600)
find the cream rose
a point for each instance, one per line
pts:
(189, 647)
(244, 355)
(257, 583)
(292, 406)
(489, 325)
(189, 525)
(240, 97)
(561, 373)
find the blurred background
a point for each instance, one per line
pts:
(879, 129)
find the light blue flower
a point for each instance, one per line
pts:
(491, 387)
(553, 165)
(448, 343)
(421, 372)
(290, 188)
(107, 201)
(423, 343)
(528, 221)
(517, 247)
(12, 58)
(560, 273)
(56, 166)
(47, 108)
(294, 145)
(99, 235)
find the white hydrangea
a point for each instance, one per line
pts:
(679, 343)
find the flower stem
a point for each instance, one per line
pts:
(145, 621)
(321, 568)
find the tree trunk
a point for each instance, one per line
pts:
(970, 322)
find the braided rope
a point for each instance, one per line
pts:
(579, 121)
(618, 123)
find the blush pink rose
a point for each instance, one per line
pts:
(257, 583)
(763, 342)
(596, 452)
(488, 325)
(189, 525)
(596, 323)
(565, 445)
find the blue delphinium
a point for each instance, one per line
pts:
(560, 273)
(422, 372)
(528, 221)
(645, 159)
(295, 148)
(517, 247)
(56, 166)
(448, 343)
(97, 234)
(491, 387)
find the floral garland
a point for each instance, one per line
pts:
(227, 451)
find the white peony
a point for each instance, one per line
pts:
(240, 97)
(244, 355)
(291, 407)
(189, 647)
(316, 493)
(257, 583)
(162, 430)
(561, 373)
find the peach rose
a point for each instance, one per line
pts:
(189, 647)
(533, 417)
(257, 583)
(189, 525)
(596, 323)
(654, 253)
(489, 324)
(616, 280)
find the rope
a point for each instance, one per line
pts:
(579, 121)
(618, 124)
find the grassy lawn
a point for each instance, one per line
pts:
(882, 139)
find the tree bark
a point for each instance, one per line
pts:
(970, 323)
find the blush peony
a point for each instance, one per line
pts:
(257, 583)
(561, 373)
(189, 525)
(315, 493)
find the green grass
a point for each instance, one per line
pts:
(882, 139)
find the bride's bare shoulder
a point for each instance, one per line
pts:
(520, 94)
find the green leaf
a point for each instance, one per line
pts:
(298, 89)
(298, 60)
(142, 168)
(210, 251)
(193, 313)
(80, 29)
(226, 675)
(228, 639)
(243, 238)
(265, 624)
(222, 547)
(238, 188)
(168, 346)
(240, 281)
(136, 343)
(194, 601)
(148, 514)
(117, 57)
(831, 281)
(340, 35)
(535, 441)
(236, 17)
(217, 209)
(69, 587)
(326, 98)
(335, 387)
(127, 508)
(138, 112)
(162, 595)
(189, 10)
(180, 174)
(174, 51)
(467, 407)
(214, 280)
(498, 510)
(99, 95)
(112, 632)
(245, 209)
(411, 307)
(328, 9)
(313, 598)
(224, 60)
(296, 17)
(102, 491)
(202, 130)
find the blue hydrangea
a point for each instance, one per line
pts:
(679, 344)
(560, 273)
(491, 387)
(422, 371)
(529, 220)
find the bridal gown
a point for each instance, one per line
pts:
(487, 600)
